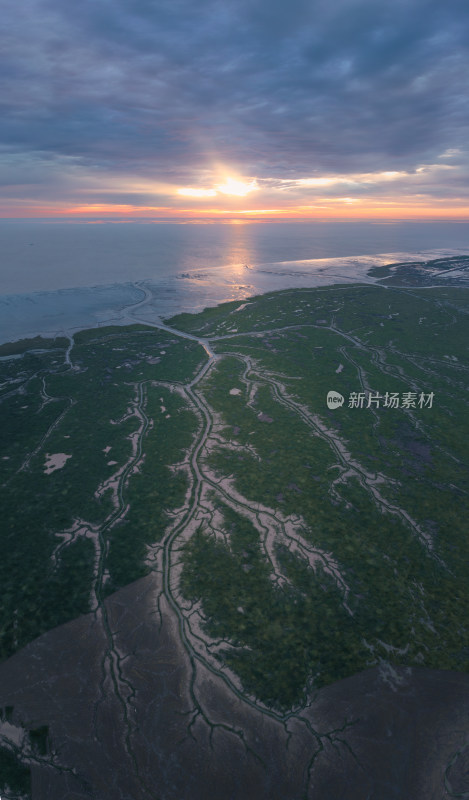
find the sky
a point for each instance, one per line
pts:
(234, 109)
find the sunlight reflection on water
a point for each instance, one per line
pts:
(68, 310)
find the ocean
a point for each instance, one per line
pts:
(58, 277)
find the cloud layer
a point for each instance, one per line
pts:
(127, 101)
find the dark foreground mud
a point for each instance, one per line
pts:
(166, 732)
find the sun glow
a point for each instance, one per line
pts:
(222, 193)
(231, 185)
(236, 187)
(190, 192)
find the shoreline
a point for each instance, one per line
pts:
(63, 312)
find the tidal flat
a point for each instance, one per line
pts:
(205, 563)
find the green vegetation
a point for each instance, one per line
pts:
(92, 413)
(438, 271)
(36, 343)
(284, 629)
(154, 490)
(327, 540)
(407, 596)
(39, 738)
(14, 777)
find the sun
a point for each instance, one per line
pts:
(229, 185)
(236, 187)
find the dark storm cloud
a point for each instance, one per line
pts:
(274, 87)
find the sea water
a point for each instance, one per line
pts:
(58, 277)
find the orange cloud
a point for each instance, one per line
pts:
(334, 208)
